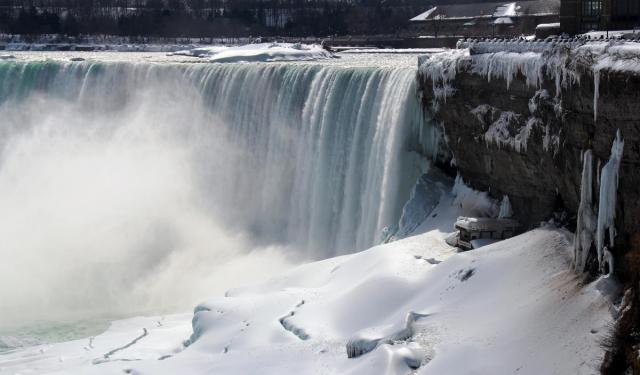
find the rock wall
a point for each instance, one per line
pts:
(523, 135)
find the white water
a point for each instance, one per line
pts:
(131, 187)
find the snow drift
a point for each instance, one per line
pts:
(259, 52)
(411, 306)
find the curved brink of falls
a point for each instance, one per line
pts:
(313, 157)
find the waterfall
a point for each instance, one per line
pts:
(130, 176)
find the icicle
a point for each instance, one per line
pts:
(586, 218)
(607, 200)
(505, 208)
(596, 93)
(608, 260)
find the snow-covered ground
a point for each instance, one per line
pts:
(411, 306)
(259, 52)
(389, 50)
(215, 53)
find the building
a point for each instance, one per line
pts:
(485, 19)
(476, 232)
(580, 16)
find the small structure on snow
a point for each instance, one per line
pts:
(474, 232)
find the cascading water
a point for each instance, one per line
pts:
(128, 186)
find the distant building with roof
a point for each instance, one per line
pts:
(485, 19)
(580, 16)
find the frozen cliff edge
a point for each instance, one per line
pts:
(543, 122)
(562, 97)
(563, 62)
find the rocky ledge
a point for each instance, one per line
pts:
(518, 118)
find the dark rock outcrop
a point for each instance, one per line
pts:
(543, 173)
(527, 142)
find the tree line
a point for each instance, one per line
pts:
(207, 18)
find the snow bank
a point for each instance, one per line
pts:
(411, 305)
(494, 307)
(106, 353)
(259, 52)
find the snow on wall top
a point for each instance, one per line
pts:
(560, 60)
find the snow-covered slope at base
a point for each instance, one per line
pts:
(512, 307)
(259, 52)
(135, 339)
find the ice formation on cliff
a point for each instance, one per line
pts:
(535, 61)
(474, 202)
(500, 60)
(586, 220)
(507, 130)
(607, 201)
(441, 68)
(590, 225)
(505, 208)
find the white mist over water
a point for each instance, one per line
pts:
(132, 187)
(107, 213)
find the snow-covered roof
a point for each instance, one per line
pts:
(503, 21)
(423, 16)
(501, 11)
(505, 10)
(485, 224)
(546, 26)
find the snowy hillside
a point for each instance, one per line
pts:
(410, 306)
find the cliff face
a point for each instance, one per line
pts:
(511, 137)
(518, 117)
